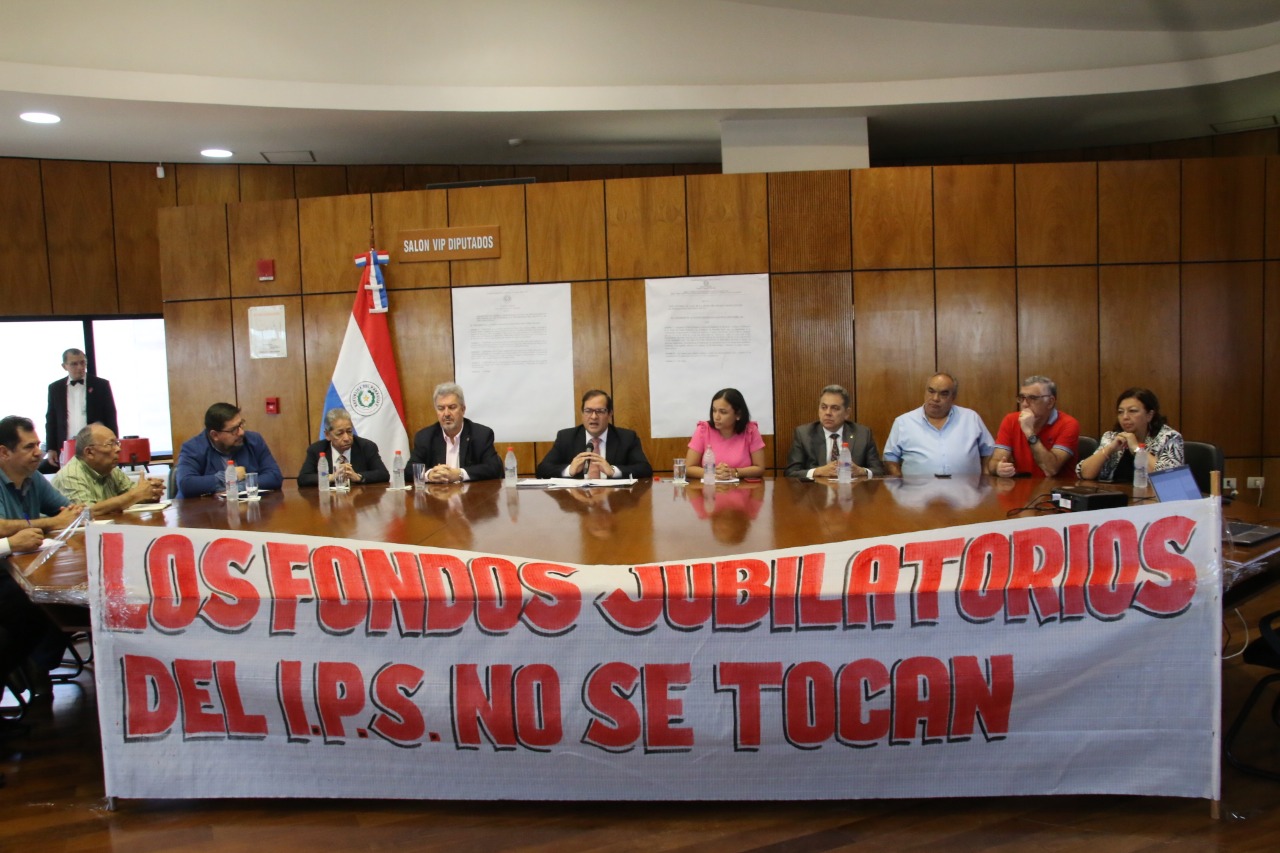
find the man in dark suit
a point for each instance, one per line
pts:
(815, 447)
(597, 449)
(454, 449)
(75, 402)
(346, 452)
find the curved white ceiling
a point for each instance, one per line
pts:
(588, 80)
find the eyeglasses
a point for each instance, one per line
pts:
(115, 442)
(595, 411)
(1031, 398)
(240, 427)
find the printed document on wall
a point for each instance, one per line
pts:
(706, 334)
(513, 357)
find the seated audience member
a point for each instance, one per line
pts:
(24, 492)
(596, 449)
(94, 477)
(732, 435)
(815, 447)
(202, 462)
(454, 449)
(19, 537)
(344, 450)
(1037, 438)
(939, 438)
(29, 508)
(1138, 422)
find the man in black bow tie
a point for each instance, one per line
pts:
(74, 403)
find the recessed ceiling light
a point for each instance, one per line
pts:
(216, 152)
(40, 118)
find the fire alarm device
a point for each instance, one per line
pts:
(273, 405)
(267, 269)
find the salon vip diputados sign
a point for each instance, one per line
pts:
(1061, 655)
(449, 244)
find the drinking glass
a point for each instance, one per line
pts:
(251, 485)
(677, 470)
(419, 477)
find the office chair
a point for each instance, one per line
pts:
(1203, 457)
(1265, 652)
(1087, 447)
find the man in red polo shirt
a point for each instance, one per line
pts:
(1036, 439)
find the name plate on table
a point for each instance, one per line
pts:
(449, 244)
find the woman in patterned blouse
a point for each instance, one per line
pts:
(1138, 422)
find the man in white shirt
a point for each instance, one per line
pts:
(75, 401)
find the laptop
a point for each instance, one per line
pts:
(1179, 484)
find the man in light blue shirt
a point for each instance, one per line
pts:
(939, 438)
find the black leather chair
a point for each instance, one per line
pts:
(1264, 652)
(1203, 457)
(1087, 447)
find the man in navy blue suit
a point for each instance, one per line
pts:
(596, 449)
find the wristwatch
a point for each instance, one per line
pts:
(1033, 439)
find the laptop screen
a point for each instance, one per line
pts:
(1175, 484)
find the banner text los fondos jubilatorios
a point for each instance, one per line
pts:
(1081, 571)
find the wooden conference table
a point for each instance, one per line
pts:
(646, 522)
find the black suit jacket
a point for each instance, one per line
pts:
(621, 449)
(363, 456)
(100, 408)
(810, 449)
(476, 455)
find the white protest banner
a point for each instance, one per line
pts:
(1059, 655)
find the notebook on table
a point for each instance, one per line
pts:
(1179, 484)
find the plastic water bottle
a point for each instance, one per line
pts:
(1140, 467)
(231, 481)
(397, 471)
(709, 467)
(509, 467)
(322, 473)
(844, 468)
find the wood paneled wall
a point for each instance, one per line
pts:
(1103, 274)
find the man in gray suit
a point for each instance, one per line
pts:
(815, 447)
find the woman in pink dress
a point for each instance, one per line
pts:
(732, 435)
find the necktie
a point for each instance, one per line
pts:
(342, 459)
(595, 473)
(835, 448)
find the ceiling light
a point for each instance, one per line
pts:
(40, 118)
(220, 153)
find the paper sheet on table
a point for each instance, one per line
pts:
(151, 507)
(571, 483)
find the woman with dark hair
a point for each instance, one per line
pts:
(1138, 423)
(732, 435)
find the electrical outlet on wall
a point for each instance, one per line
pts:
(1229, 483)
(1257, 482)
